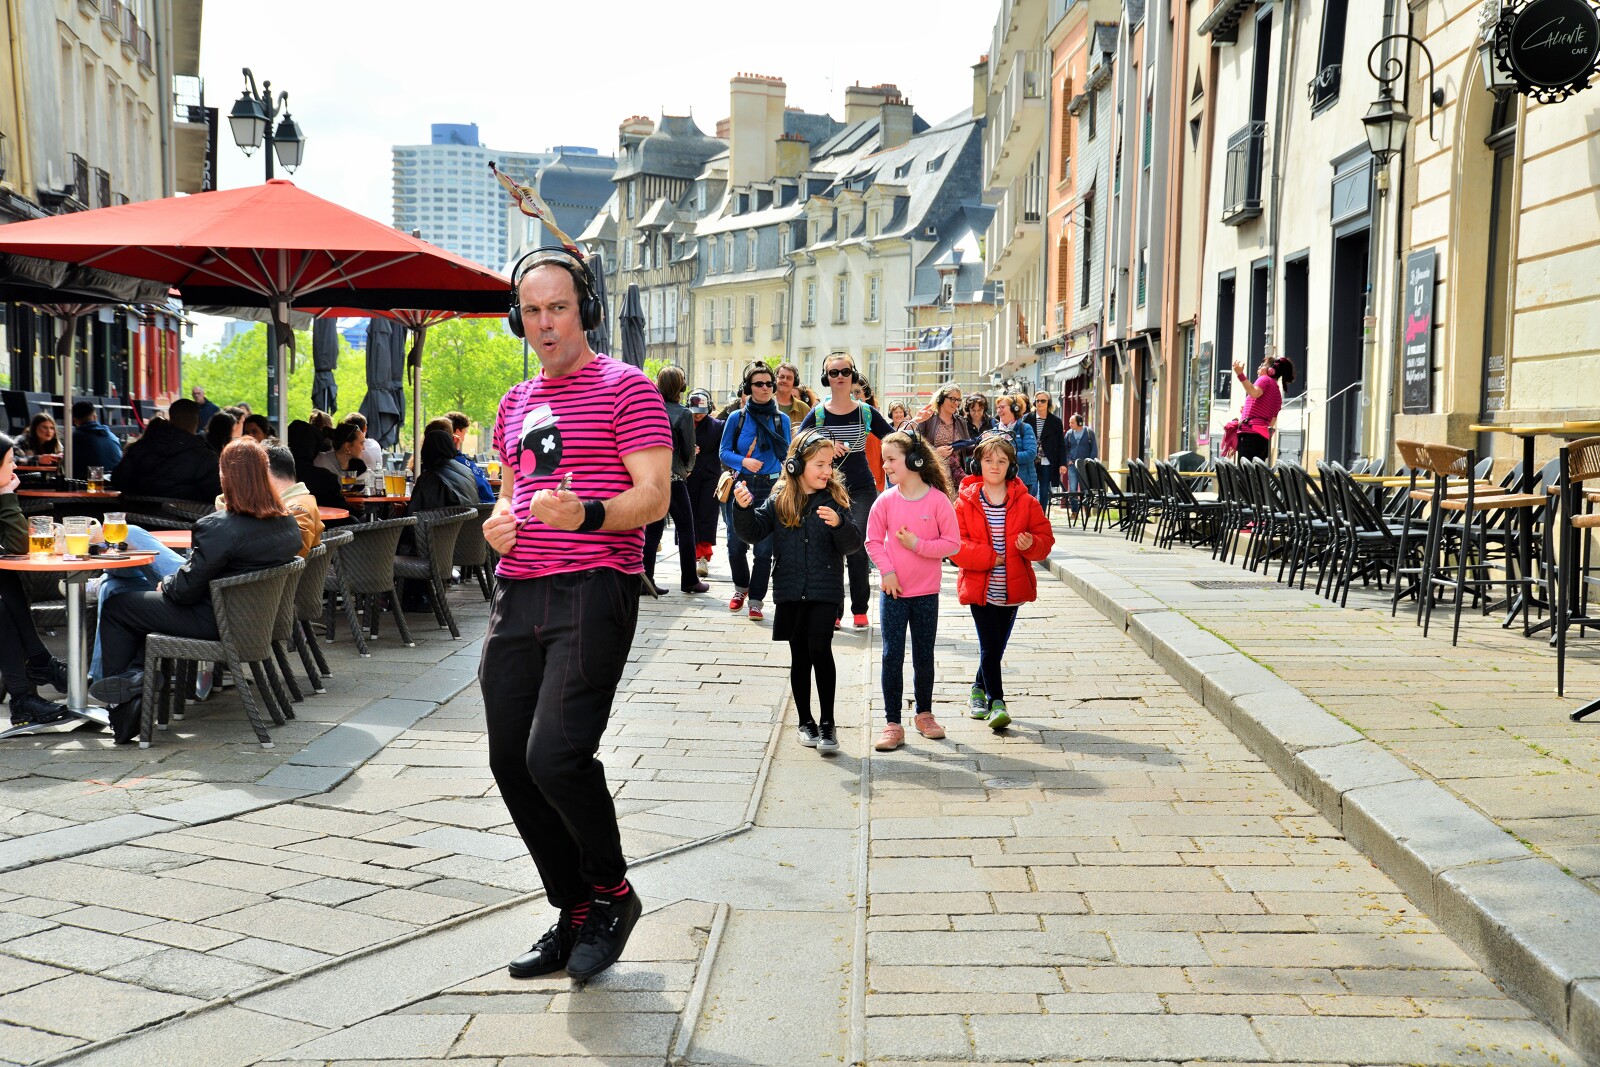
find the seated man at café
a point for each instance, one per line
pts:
(169, 460)
(255, 532)
(24, 661)
(92, 444)
(459, 424)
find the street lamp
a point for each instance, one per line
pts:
(251, 122)
(1386, 122)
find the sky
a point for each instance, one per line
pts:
(363, 77)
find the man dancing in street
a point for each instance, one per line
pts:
(587, 458)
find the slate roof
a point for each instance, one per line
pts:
(677, 149)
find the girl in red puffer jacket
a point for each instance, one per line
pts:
(1003, 534)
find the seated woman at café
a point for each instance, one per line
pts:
(344, 460)
(24, 661)
(255, 532)
(322, 483)
(40, 439)
(222, 429)
(443, 482)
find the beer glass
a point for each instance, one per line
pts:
(97, 479)
(116, 528)
(394, 484)
(77, 527)
(41, 537)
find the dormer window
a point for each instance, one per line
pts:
(936, 162)
(903, 169)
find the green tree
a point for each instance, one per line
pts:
(467, 366)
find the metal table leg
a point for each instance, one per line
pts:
(77, 703)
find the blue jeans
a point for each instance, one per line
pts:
(133, 579)
(921, 613)
(738, 562)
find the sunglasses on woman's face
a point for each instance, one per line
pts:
(839, 372)
(761, 385)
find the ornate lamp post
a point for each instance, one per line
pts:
(251, 120)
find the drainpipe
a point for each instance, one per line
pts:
(162, 32)
(1280, 135)
(20, 101)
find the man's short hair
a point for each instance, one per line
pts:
(1077, 419)
(83, 409)
(184, 414)
(441, 423)
(580, 278)
(458, 420)
(280, 461)
(355, 418)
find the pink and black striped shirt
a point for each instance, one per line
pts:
(603, 412)
(1258, 411)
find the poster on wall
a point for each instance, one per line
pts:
(1416, 365)
(1202, 398)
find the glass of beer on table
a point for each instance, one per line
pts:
(77, 527)
(116, 528)
(41, 537)
(394, 484)
(97, 479)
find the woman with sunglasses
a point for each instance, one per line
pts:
(943, 429)
(754, 442)
(1052, 437)
(848, 422)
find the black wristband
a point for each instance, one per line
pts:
(594, 516)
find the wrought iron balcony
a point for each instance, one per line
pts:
(1241, 185)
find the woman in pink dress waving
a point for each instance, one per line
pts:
(1260, 411)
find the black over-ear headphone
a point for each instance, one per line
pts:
(590, 312)
(754, 367)
(914, 457)
(855, 375)
(795, 461)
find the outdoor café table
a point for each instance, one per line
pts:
(75, 574)
(332, 514)
(1523, 600)
(69, 494)
(376, 506)
(177, 540)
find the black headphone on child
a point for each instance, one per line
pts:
(590, 311)
(914, 455)
(1012, 470)
(795, 461)
(855, 375)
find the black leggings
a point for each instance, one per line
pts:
(682, 512)
(811, 650)
(994, 630)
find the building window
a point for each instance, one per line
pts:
(811, 302)
(1324, 87)
(1066, 130)
(1149, 122)
(780, 311)
(750, 250)
(710, 314)
(841, 298)
(1092, 109)
(749, 318)
(727, 253)
(727, 320)
(633, 201)
(874, 297)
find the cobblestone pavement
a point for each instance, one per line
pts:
(1116, 879)
(1481, 718)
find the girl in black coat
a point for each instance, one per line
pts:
(810, 540)
(702, 480)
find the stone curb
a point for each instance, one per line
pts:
(1531, 925)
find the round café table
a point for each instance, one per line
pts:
(75, 574)
(332, 514)
(376, 506)
(177, 540)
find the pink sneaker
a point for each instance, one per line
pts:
(893, 736)
(929, 727)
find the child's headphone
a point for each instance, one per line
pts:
(855, 375)
(590, 311)
(1012, 470)
(795, 461)
(914, 457)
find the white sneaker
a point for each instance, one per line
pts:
(702, 567)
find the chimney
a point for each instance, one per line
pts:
(755, 122)
(794, 155)
(895, 123)
(861, 102)
(632, 130)
(980, 88)
(722, 129)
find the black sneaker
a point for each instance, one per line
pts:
(118, 688)
(52, 673)
(807, 732)
(826, 741)
(604, 934)
(31, 709)
(548, 954)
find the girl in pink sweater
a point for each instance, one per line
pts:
(911, 529)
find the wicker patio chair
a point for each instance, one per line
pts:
(472, 551)
(308, 607)
(436, 535)
(363, 573)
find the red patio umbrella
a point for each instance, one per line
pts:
(273, 246)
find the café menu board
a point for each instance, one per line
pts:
(1416, 346)
(1550, 47)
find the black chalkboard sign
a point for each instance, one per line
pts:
(1551, 46)
(1416, 338)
